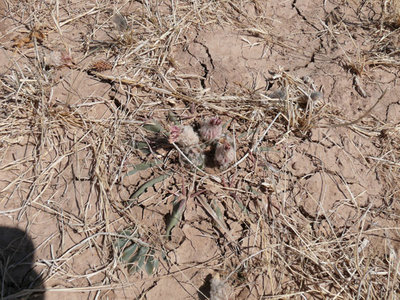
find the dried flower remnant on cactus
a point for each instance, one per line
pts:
(183, 135)
(194, 154)
(224, 152)
(174, 133)
(211, 129)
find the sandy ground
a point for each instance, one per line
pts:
(313, 213)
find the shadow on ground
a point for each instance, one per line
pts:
(204, 291)
(18, 280)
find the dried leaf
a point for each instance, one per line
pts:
(154, 127)
(120, 243)
(217, 210)
(21, 41)
(139, 257)
(141, 253)
(27, 40)
(264, 149)
(141, 261)
(146, 185)
(143, 166)
(173, 117)
(242, 207)
(37, 34)
(129, 253)
(142, 146)
(151, 265)
(136, 256)
(176, 216)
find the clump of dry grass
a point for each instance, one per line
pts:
(391, 13)
(381, 19)
(82, 156)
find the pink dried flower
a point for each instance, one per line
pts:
(174, 134)
(224, 152)
(183, 135)
(211, 129)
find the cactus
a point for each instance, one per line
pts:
(224, 151)
(211, 129)
(195, 155)
(183, 135)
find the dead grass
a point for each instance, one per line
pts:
(66, 153)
